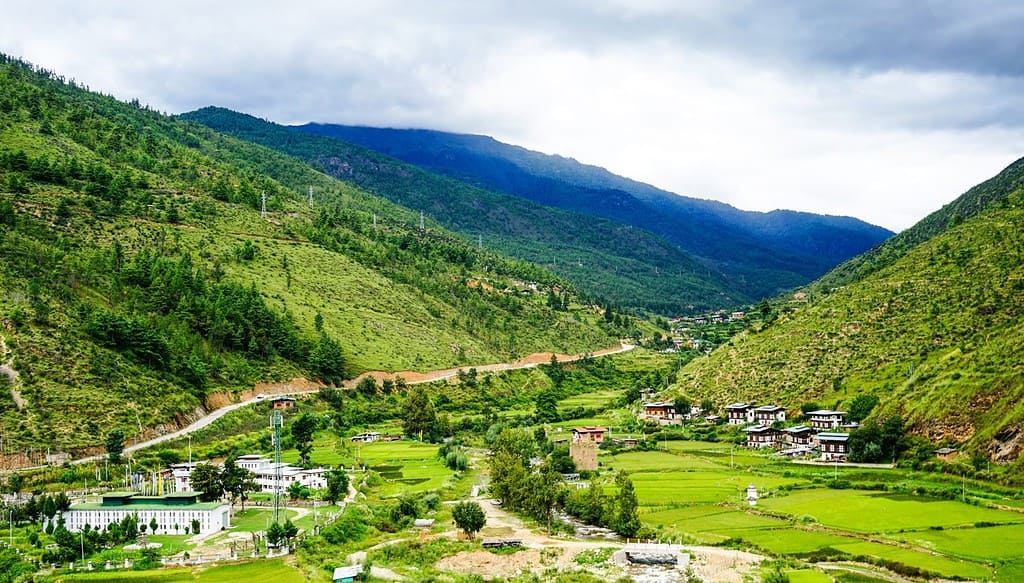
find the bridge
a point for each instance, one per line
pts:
(653, 553)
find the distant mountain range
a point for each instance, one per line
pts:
(760, 254)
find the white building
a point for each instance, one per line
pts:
(264, 471)
(172, 509)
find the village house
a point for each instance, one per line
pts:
(945, 454)
(589, 433)
(737, 315)
(740, 413)
(172, 512)
(695, 411)
(265, 472)
(834, 446)
(712, 419)
(282, 403)
(662, 412)
(799, 435)
(368, 437)
(347, 574)
(826, 419)
(768, 414)
(762, 436)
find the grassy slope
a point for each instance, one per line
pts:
(935, 331)
(626, 265)
(394, 297)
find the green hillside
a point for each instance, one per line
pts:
(931, 323)
(137, 275)
(605, 260)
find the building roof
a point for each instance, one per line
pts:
(589, 429)
(758, 429)
(798, 429)
(282, 398)
(945, 450)
(659, 404)
(770, 408)
(738, 406)
(825, 436)
(826, 412)
(348, 572)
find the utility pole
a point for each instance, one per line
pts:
(374, 221)
(310, 196)
(190, 451)
(421, 221)
(275, 424)
(263, 205)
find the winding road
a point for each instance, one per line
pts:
(410, 377)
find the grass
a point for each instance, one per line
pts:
(255, 519)
(943, 566)
(984, 544)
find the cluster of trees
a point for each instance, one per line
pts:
(281, 534)
(879, 441)
(593, 506)
(215, 483)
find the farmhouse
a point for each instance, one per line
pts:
(662, 412)
(799, 435)
(834, 446)
(281, 403)
(740, 413)
(768, 414)
(347, 574)
(265, 471)
(762, 436)
(589, 433)
(826, 419)
(172, 512)
(945, 453)
(181, 474)
(368, 437)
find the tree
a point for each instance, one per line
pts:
(237, 482)
(205, 479)
(682, 405)
(419, 419)
(195, 526)
(708, 406)
(153, 525)
(546, 407)
(367, 387)
(290, 530)
(303, 429)
(861, 407)
(627, 520)
(543, 494)
(275, 534)
(298, 491)
(115, 445)
(469, 517)
(327, 360)
(337, 485)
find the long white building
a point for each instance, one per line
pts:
(264, 470)
(172, 509)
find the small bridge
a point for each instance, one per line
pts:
(653, 553)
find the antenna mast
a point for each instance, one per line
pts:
(275, 425)
(263, 205)
(310, 196)
(421, 220)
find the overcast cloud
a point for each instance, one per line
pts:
(879, 110)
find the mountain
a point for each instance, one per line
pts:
(606, 260)
(150, 266)
(762, 253)
(931, 322)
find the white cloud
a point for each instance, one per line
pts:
(885, 119)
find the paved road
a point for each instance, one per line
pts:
(527, 362)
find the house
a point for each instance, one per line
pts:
(826, 419)
(265, 473)
(740, 413)
(799, 435)
(181, 475)
(282, 403)
(368, 437)
(737, 315)
(945, 453)
(663, 412)
(172, 512)
(626, 442)
(762, 436)
(712, 419)
(347, 574)
(834, 446)
(695, 411)
(589, 433)
(768, 414)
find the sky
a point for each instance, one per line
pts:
(880, 110)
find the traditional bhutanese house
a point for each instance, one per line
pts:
(282, 403)
(347, 574)
(834, 446)
(172, 512)
(945, 453)
(588, 433)
(826, 419)
(368, 437)
(768, 414)
(740, 413)
(660, 411)
(265, 473)
(799, 435)
(762, 436)
(712, 419)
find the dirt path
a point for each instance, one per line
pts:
(303, 386)
(7, 369)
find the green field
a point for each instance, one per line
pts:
(253, 571)
(984, 544)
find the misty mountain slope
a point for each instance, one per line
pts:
(764, 253)
(604, 259)
(934, 329)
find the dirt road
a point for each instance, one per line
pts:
(303, 386)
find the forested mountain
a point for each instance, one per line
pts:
(606, 260)
(932, 323)
(761, 253)
(139, 275)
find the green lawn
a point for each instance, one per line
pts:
(589, 400)
(944, 566)
(255, 519)
(992, 543)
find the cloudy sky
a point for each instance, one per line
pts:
(879, 110)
